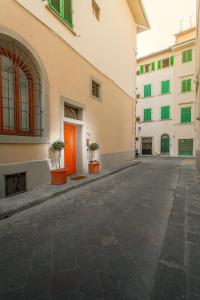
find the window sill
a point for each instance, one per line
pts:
(61, 21)
(189, 123)
(147, 97)
(13, 139)
(165, 94)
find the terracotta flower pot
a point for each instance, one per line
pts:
(58, 176)
(93, 167)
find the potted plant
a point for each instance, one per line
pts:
(58, 175)
(93, 164)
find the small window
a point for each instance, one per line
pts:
(138, 119)
(165, 113)
(187, 56)
(136, 139)
(147, 114)
(138, 73)
(96, 89)
(147, 68)
(186, 114)
(96, 10)
(147, 90)
(186, 85)
(165, 87)
(165, 63)
(72, 112)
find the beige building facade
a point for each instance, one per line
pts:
(197, 81)
(165, 109)
(65, 74)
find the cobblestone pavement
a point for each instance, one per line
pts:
(178, 273)
(101, 241)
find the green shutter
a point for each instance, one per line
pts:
(153, 66)
(165, 113)
(186, 115)
(147, 90)
(186, 85)
(159, 64)
(187, 56)
(171, 60)
(63, 8)
(56, 6)
(184, 56)
(141, 69)
(67, 12)
(165, 87)
(189, 85)
(147, 114)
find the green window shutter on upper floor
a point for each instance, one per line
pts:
(186, 85)
(165, 87)
(56, 6)
(147, 90)
(142, 69)
(67, 12)
(165, 113)
(63, 8)
(187, 56)
(171, 60)
(153, 66)
(147, 114)
(159, 64)
(186, 114)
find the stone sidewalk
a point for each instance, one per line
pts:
(12, 205)
(178, 273)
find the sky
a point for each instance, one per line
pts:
(166, 18)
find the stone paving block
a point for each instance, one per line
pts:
(12, 295)
(13, 275)
(194, 287)
(173, 248)
(193, 237)
(193, 222)
(177, 216)
(193, 259)
(66, 282)
(170, 283)
(36, 289)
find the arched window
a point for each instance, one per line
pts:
(20, 91)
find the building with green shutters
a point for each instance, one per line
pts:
(165, 109)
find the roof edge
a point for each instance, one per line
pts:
(144, 25)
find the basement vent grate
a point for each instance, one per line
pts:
(15, 184)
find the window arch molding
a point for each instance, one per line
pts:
(32, 125)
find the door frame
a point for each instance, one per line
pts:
(81, 147)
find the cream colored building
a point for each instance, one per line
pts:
(197, 81)
(66, 73)
(165, 107)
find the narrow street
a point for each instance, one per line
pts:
(102, 241)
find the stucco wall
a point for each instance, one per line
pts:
(110, 123)
(114, 35)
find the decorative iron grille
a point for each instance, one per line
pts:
(20, 90)
(15, 184)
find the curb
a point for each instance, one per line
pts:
(10, 212)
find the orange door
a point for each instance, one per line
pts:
(70, 157)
